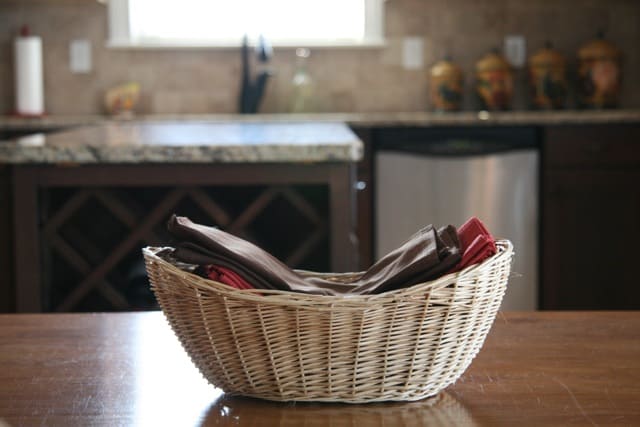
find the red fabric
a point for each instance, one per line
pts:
(476, 243)
(226, 276)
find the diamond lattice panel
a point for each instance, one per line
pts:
(92, 237)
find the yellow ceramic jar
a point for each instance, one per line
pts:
(548, 78)
(446, 86)
(494, 81)
(599, 74)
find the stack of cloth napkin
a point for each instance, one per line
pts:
(427, 255)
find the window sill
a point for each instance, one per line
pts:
(128, 45)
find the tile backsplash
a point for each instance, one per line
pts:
(346, 80)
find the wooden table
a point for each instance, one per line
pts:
(545, 368)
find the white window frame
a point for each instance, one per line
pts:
(120, 37)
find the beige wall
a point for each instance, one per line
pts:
(361, 80)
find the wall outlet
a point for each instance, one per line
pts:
(412, 53)
(515, 50)
(80, 56)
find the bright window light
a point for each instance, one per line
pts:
(225, 22)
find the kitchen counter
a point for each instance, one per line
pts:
(464, 118)
(535, 368)
(83, 200)
(188, 142)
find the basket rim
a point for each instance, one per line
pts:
(504, 247)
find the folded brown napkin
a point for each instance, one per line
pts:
(424, 256)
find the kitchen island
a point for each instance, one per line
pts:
(86, 200)
(542, 368)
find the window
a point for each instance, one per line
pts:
(148, 23)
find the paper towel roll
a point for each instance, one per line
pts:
(28, 75)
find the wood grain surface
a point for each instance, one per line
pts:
(543, 368)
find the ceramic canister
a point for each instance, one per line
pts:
(446, 86)
(548, 78)
(494, 81)
(599, 74)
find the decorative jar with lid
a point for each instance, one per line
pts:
(548, 78)
(599, 74)
(494, 81)
(446, 86)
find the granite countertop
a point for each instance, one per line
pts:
(245, 138)
(464, 118)
(188, 142)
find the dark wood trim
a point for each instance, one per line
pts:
(343, 240)
(7, 291)
(364, 199)
(27, 259)
(182, 174)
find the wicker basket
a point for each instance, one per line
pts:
(402, 345)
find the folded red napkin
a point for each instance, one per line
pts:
(476, 243)
(223, 275)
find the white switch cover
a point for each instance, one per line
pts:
(412, 53)
(515, 50)
(80, 56)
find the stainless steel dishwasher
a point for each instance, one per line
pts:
(446, 175)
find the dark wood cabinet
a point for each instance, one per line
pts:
(6, 243)
(79, 229)
(591, 217)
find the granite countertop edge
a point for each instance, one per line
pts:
(376, 119)
(182, 142)
(191, 155)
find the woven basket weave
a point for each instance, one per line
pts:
(402, 345)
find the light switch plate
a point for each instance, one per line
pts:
(80, 56)
(515, 50)
(412, 53)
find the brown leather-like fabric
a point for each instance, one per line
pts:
(424, 256)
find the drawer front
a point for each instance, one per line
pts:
(601, 145)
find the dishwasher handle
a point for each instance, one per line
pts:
(457, 147)
(459, 141)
